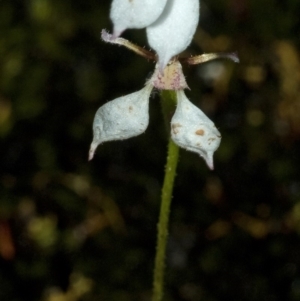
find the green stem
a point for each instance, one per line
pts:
(168, 104)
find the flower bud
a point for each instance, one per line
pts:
(121, 118)
(193, 130)
(134, 13)
(173, 31)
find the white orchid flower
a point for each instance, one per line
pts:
(170, 26)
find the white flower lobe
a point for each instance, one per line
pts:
(134, 13)
(173, 31)
(193, 130)
(121, 118)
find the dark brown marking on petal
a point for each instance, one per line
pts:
(200, 132)
(130, 109)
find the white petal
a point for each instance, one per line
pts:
(193, 130)
(134, 13)
(121, 118)
(173, 31)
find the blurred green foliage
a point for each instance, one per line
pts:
(76, 230)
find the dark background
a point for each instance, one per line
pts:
(74, 230)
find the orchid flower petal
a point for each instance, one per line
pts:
(193, 130)
(121, 118)
(134, 13)
(173, 31)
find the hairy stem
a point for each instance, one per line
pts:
(168, 104)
